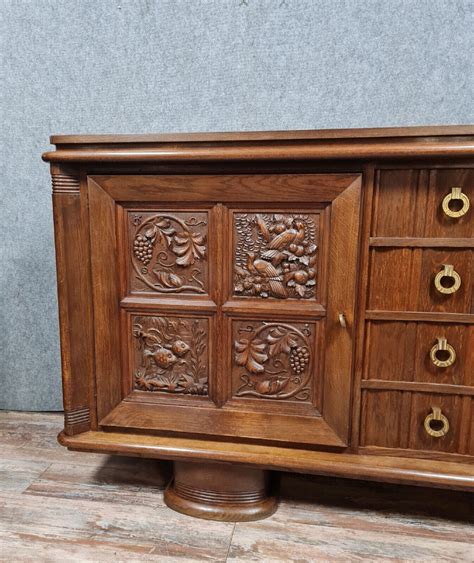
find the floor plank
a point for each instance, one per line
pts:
(17, 475)
(122, 480)
(57, 505)
(332, 519)
(112, 527)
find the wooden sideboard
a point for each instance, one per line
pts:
(246, 302)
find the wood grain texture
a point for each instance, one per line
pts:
(279, 149)
(352, 466)
(395, 419)
(403, 280)
(407, 347)
(105, 293)
(382, 132)
(206, 188)
(298, 534)
(250, 423)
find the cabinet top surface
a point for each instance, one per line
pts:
(243, 136)
(326, 144)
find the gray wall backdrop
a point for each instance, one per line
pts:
(131, 66)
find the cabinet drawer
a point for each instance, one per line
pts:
(416, 279)
(422, 203)
(421, 352)
(417, 421)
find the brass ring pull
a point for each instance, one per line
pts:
(447, 350)
(456, 195)
(442, 283)
(436, 424)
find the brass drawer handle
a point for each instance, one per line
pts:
(456, 195)
(447, 280)
(436, 424)
(442, 350)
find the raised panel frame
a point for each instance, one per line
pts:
(117, 407)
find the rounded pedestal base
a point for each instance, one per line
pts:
(217, 491)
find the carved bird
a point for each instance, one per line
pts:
(294, 234)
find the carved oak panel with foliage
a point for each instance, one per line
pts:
(272, 360)
(275, 255)
(171, 354)
(169, 251)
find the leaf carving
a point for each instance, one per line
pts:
(151, 232)
(251, 354)
(168, 279)
(280, 342)
(189, 247)
(300, 290)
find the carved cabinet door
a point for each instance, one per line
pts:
(224, 305)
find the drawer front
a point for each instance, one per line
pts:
(424, 203)
(417, 421)
(420, 352)
(421, 279)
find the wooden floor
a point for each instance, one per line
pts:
(57, 505)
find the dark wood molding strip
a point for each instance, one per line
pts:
(295, 150)
(407, 242)
(378, 468)
(242, 136)
(159, 303)
(419, 316)
(417, 386)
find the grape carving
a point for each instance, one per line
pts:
(143, 249)
(299, 359)
(273, 361)
(169, 252)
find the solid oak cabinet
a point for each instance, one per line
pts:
(295, 301)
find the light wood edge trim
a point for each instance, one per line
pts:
(269, 135)
(407, 242)
(418, 387)
(394, 316)
(352, 466)
(262, 151)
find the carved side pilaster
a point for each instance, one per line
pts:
(71, 227)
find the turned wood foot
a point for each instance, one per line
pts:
(219, 491)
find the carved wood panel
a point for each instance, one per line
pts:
(164, 368)
(275, 255)
(168, 251)
(171, 354)
(273, 360)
